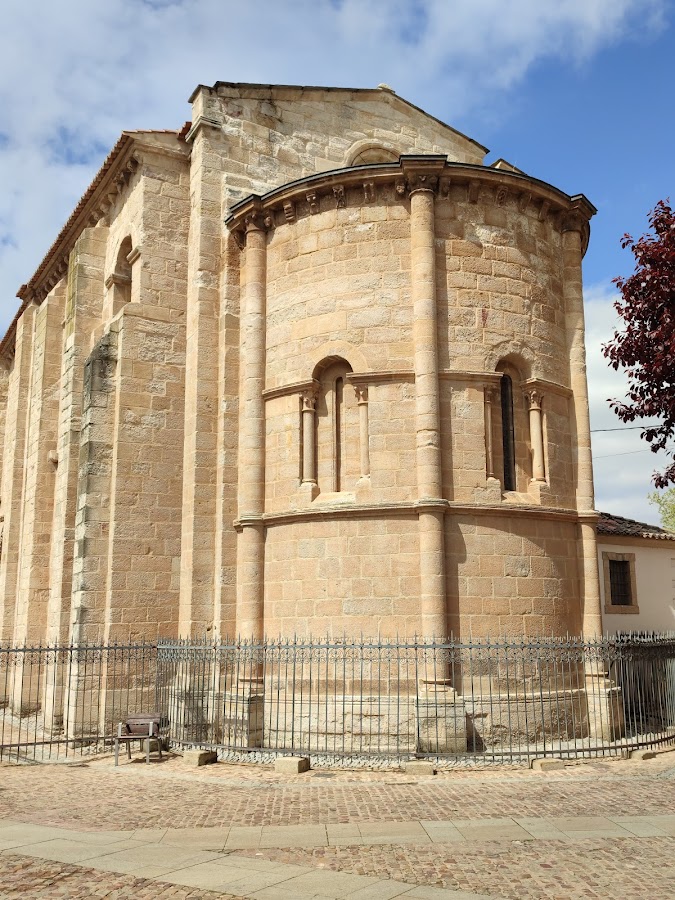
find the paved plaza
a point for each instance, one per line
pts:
(593, 830)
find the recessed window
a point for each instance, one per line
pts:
(508, 436)
(620, 583)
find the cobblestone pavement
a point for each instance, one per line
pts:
(22, 878)
(97, 797)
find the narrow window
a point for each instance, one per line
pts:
(619, 582)
(339, 397)
(508, 439)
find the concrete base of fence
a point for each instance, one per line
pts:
(419, 767)
(199, 757)
(639, 755)
(291, 765)
(605, 709)
(441, 719)
(547, 764)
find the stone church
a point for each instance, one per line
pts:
(307, 365)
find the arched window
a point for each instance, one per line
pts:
(119, 282)
(508, 433)
(336, 427)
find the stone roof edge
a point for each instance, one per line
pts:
(64, 241)
(382, 172)
(379, 91)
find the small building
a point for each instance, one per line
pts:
(637, 575)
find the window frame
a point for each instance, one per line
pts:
(619, 608)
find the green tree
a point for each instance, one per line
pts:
(665, 503)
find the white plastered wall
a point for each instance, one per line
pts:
(655, 579)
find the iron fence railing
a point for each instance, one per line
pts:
(504, 700)
(65, 700)
(344, 699)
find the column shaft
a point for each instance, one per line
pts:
(536, 438)
(364, 439)
(489, 448)
(427, 413)
(308, 454)
(581, 448)
(251, 486)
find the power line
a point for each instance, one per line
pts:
(627, 428)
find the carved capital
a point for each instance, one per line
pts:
(490, 394)
(422, 181)
(534, 398)
(254, 220)
(361, 391)
(572, 220)
(308, 399)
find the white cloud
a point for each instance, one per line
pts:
(82, 71)
(622, 462)
(74, 74)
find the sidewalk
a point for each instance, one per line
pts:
(243, 832)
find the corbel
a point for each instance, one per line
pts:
(340, 198)
(524, 200)
(368, 191)
(289, 210)
(543, 212)
(313, 201)
(473, 190)
(501, 196)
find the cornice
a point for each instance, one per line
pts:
(410, 508)
(308, 196)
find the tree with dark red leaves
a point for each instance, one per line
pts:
(645, 348)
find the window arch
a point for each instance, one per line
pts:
(512, 463)
(336, 427)
(366, 153)
(119, 283)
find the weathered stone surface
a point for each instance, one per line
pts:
(199, 757)
(419, 767)
(291, 765)
(547, 764)
(293, 422)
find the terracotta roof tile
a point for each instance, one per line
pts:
(622, 527)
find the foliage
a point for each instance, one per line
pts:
(646, 346)
(665, 502)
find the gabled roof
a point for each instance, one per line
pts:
(77, 220)
(302, 90)
(619, 526)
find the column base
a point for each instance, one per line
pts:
(605, 708)
(441, 718)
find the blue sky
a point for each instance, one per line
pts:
(575, 92)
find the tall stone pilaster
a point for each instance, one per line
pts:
(573, 226)
(422, 177)
(13, 468)
(251, 483)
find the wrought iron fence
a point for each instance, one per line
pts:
(64, 701)
(504, 700)
(346, 700)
